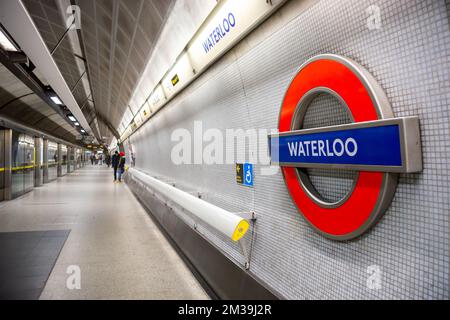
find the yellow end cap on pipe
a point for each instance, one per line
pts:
(240, 230)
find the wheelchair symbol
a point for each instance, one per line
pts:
(248, 179)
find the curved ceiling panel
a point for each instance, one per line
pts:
(51, 26)
(17, 102)
(118, 38)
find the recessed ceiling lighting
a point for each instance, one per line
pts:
(6, 43)
(77, 124)
(56, 100)
(82, 130)
(72, 118)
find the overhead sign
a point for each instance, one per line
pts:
(376, 145)
(133, 125)
(138, 119)
(180, 74)
(156, 99)
(145, 111)
(219, 31)
(175, 79)
(228, 23)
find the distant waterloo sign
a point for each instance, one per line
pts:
(376, 145)
(229, 22)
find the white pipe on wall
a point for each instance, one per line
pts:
(224, 221)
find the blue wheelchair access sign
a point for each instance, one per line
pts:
(248, 174)
(244, 174)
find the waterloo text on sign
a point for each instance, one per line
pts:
(373, 146)
(219, 32)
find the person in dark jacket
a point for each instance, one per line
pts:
(108, 159)
(115, 163)
(121, 165)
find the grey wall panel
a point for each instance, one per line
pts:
(409, 58)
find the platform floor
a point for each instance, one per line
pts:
(120, 252)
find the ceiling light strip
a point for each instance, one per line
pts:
(6, 43)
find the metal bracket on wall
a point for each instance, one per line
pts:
(247, 249)
(251, 216)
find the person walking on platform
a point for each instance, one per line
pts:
(121, 165)
(115, 163)
(108, 159)
(92, 159)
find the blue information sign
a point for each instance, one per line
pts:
(248, 175)
(366, 146)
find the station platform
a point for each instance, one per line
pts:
(274, 150)
(85, 220)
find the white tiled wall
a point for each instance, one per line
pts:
(410, 57)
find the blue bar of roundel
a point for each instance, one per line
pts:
(377, 146)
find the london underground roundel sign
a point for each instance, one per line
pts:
(375, 145)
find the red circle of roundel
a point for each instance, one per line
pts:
(356, 210)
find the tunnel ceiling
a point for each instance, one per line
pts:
(51, 27)
(20, 103)
(118, 37)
